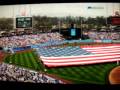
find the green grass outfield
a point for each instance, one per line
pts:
(87, 74)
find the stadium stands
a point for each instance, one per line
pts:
(27, 40)
(51, 39)
(13, 73)
(104, 35)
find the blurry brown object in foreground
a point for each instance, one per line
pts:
(114, 76)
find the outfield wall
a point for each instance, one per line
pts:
(21, 48)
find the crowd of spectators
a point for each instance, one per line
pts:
(26, 40)
(104, 35)
(18, 74)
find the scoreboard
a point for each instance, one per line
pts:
(23, 22)
(114, 20)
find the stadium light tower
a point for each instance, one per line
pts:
(59, 24)
(106, 15)
(81, 26)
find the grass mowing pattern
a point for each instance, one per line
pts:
(24, 59)
(91, 74)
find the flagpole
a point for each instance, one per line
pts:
(106, 15)
(81, 28)
(13, 19)
(59, 25)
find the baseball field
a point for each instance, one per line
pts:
(87, 74)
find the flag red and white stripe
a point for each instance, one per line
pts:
(100, 54)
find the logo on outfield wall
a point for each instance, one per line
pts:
(89, 7)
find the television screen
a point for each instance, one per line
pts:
(23, 22)
(73, 32)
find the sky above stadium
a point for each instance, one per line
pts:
(60, 9)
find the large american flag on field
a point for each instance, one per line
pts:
(67, 56)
